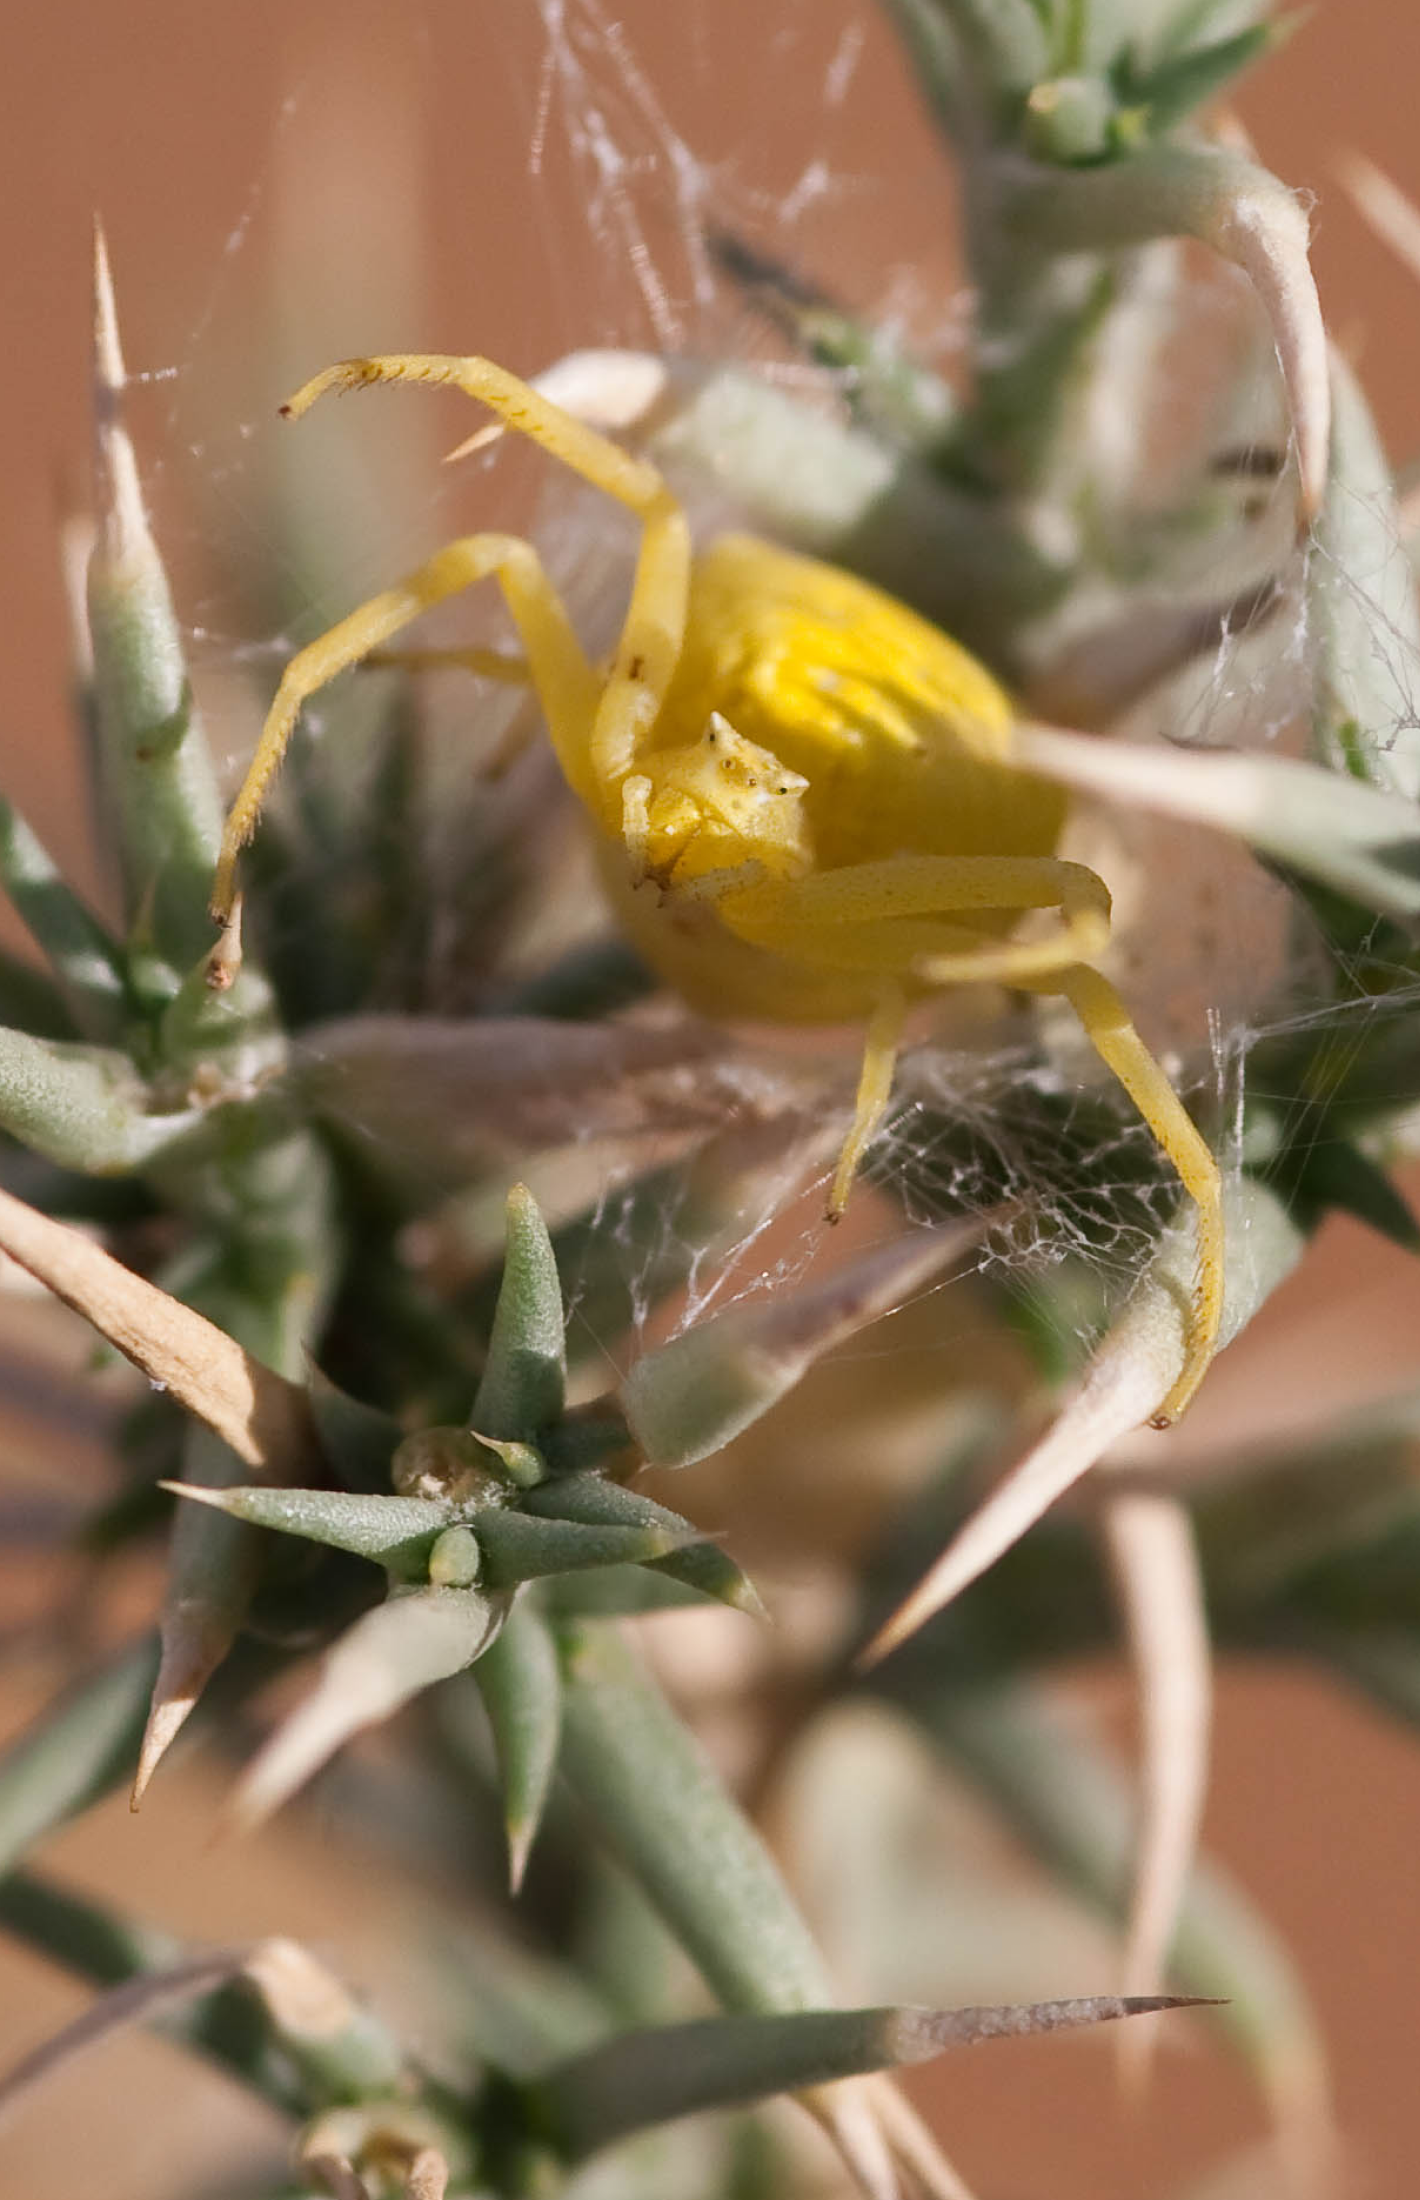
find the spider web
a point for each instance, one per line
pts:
(631, 160)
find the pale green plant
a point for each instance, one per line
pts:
(378, 1456)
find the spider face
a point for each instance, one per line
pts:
(712, 807)
(802, 794)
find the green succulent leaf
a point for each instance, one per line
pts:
(618, 1592)
(87, 962)
(701, 1564)
(517, 1547)
(358, 1440)
(1070, 119)
(105, 1949)
(524, 1384)
(397, 1533)
(232, 1027)
(84, 1107)
(1007, 41)
(1168, 27)
(75, 1750)
(520, 1681)
(1171, 88)
(158, 777)
(271, 2015)
(649, 2077)
(661, 1808)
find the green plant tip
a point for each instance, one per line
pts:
(456, 1560)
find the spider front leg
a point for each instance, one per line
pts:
(567, 686)
(596, 723)
(879, 917)
(654, 629)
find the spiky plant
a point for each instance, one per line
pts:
(273, 1197)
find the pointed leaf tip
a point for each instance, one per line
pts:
(1156, 1564)
(417, 1637)
(697, 1561)
(520, 1681)
(1133, 1368)
(158, 783)
(123, 524)
(110, 374)
(524, 1384)
(214, 1564)
(175, 1695)
(1119, 1390)
(396, 1532)
(642, 2078)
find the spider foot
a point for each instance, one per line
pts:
(225, 960)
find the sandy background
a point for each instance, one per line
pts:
(380, 155)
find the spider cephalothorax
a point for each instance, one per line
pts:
(804, 795)
(714, 809)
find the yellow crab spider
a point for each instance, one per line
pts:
(802, 794)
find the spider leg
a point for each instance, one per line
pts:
(567, 685)
(869, 916)
(861, 916)
(1110, 1030)
(486, 664)
(654, 629)
(874, 1092)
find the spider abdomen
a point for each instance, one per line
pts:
(902, 736)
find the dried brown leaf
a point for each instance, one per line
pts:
(262, 1416)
